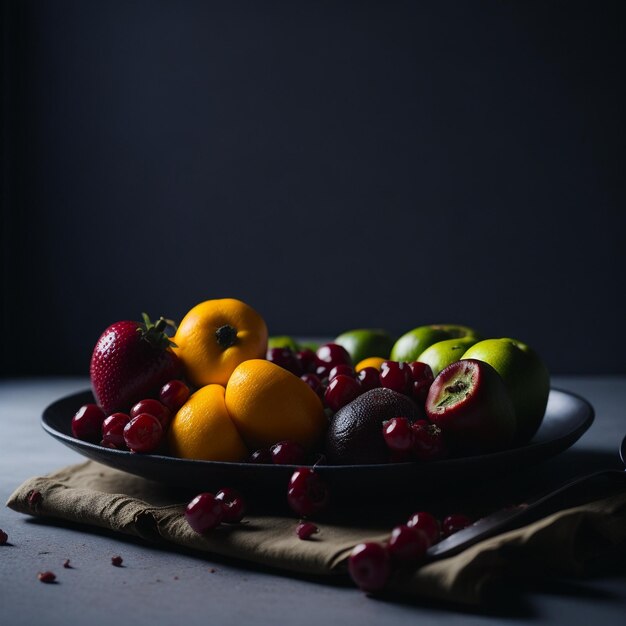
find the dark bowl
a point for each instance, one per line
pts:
(567, 417)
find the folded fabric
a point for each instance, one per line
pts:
(567, 542)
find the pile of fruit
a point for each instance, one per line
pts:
(218, 388)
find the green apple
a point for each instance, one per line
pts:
(441, 354)
(412, 344)
(525, 376)
(283, 341)
(365, 342)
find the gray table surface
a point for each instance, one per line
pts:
(162, 587)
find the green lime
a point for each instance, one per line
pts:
(441, 354)
(366, 342)
(413, 343)
(283, 341)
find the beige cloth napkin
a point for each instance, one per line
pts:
(567, 542)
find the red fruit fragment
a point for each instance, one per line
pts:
(87, 423)
(398, 434)
(174, 394)
(427, 523)
(46, 577)
(305, 530)
(3, 537)
(307, 493)
(287, 453)
(117, 561)
(395, 375)
(368, 378)
(143, 433)
(113, 430)
(204, 512)
(369, 566)
(422, 376)
(407, 544)
(34, 499)
(233, 504)
(428, 442)
(453, 523)
(66, 564)
(341, 390)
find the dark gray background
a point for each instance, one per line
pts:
(334, 164)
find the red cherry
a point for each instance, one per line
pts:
(233, 504)
(314, 382)
(155, 408)
(422, 376)
(305, 530)
(113, 430)
(369, 566)
(285, 358)
(87, 423)
(307, 493)
(346, 370)
(341, 390)
(174, 394)
(143, 433)
(428, 441)
(369, 378)
(204, 512)
(407, 544)
(427, 523)
(287, 453)
(307, 359)
(395, 375)
(332, 354)
(453, 523)
(398, 434)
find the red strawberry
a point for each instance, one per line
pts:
(130, 362)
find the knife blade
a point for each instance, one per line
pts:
(518, 515)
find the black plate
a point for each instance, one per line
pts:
(567, 417)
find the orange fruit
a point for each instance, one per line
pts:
(202, 429)
(269, 404)
(372, 361)
(215, 336)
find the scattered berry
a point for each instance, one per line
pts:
(143, 433)
(307, 493)
(87, 423)
(155, 408)
(428, 441)
(398, 434)
(341, 390)
(305, 530)
(285, 358)
(3, 537)
(34, 499)
(204, 512)
(174, 394)
(113, 430)
(343, 369)
(453, 523)
(395, 375)
(314, 382)
(117, 561)
(46, 577)
(407, 544)
(427, 523)
(368, 378)
(287, 453)
(422, 378)
(369, 566)
(66, 564)
(233, 504)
